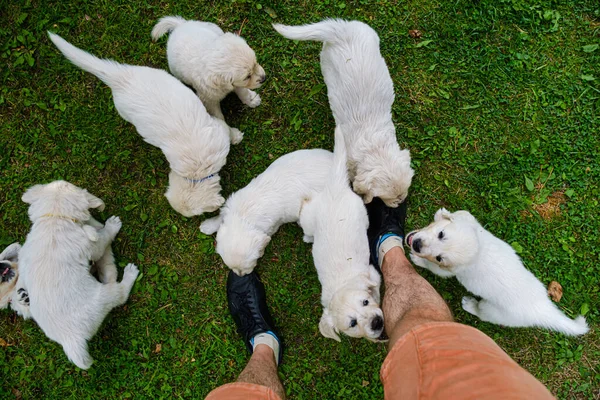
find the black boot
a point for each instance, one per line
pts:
(383, 220)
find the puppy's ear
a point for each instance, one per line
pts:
(211, 225)
(441, 214)
(263, 241)
(463, 216)
(11, 253)
(91, 233)
(327, 328)
(93, 201)
(374, 283)
(33, 193)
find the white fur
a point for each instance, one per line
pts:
(167, 115)
(361, 94)
(213, 62)
(253, 214)
(66, 301)
(489, 268)
(336, 221)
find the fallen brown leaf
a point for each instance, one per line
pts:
(415, 33)
(555, 291)
(158, 348)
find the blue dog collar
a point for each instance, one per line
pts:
(200, 180)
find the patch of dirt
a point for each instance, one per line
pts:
(551, 208)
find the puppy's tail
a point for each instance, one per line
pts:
(76, 350)
(103, 69)
(329, 30)
(556, 320)
(339, 171)
(165, 25)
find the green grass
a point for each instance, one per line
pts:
(498, 102)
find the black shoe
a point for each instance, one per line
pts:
(383, 220)
(248, 307)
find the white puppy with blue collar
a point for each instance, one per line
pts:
(167, 115)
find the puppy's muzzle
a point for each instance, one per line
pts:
(6, 271)
(415, 244)
(262, 79)
(377, 323)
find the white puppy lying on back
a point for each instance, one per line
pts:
(167, 115)
(361, 94)
(11, 292)
(336, 222)
(65, 300)
(455, 244)
(214, 63)
(253, 214)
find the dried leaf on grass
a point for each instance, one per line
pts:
(555, 291)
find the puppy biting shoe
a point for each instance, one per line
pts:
(248, 307)
(386, 229)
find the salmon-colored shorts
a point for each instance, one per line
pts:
(439, 360)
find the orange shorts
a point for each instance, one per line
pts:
(439, 360)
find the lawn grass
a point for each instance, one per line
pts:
(498, 102)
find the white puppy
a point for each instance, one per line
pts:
(336, 221)
(167, 115)
(455, 244)
(11, 290)
(65, 300)
(253, 214)
(361, 94)
(214, 63)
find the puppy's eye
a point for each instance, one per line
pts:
(365, 302)
(441, 235)
(249, 76)
(353, 323)
(439, 258)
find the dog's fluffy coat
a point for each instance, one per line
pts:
(361, 94)
(66, 301)
(167, 115)
(455, 244)
(253, 214)
(213, 62)
(336, 222)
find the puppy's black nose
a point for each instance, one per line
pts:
(416, 245)
(377, 323)
(262, 79)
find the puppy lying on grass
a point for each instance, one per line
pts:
(11, 292)
(213, 62)
(336, 222)
(253, 214)
(361, 94)
(65, 300)
(167, 115)
(455, 244)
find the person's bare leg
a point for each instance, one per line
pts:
(262, 370)
(409, 300)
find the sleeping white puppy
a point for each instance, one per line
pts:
(455, 244)
(11, 292)
(361, 94)
(253, 214)
(213, 62)
(65, 300)
(167, 115)
(336, 222)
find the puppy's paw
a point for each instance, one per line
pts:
(470, 305)
(418, 261)
(252, 100)
(23, 297)
(235, 135)
(131, 271)
(113, 224)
